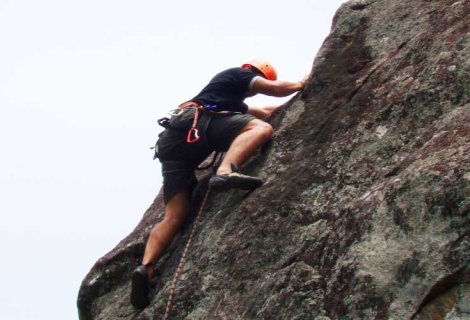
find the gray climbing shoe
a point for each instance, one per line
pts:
(234, 180)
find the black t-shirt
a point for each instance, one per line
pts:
(227, 90)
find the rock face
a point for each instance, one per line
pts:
(365, 209)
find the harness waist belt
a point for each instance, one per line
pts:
(189, 104)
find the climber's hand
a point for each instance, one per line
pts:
(304, 81)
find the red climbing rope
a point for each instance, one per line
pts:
(185, 252)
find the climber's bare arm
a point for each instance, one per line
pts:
(262, 112)
(277, 88)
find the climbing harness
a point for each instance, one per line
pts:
(183, 256)
(200, 122)
(192, 135)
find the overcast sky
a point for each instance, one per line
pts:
(82, 84)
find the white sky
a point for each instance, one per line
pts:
(82, 84)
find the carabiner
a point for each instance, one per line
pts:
(175, 112)
(193, 132)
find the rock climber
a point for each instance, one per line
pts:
(217, 119)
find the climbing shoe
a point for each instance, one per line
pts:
(140, 288)
(234, 180)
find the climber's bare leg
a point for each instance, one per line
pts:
(249, 139)
(163, 232)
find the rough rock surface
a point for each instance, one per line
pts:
(365, 209)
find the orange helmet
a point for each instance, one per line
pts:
(264, 67)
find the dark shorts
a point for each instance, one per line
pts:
(179, 159)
